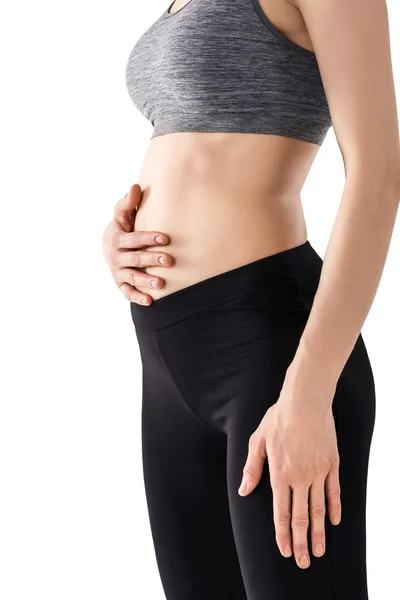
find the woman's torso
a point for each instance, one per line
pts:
(225, 198)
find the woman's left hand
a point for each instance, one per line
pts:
(300, 443)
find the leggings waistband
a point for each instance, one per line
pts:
(271, 273)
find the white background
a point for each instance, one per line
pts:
(73, 518)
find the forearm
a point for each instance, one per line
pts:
(353, 265)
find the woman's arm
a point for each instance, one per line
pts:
(351, 41)
(352, 46)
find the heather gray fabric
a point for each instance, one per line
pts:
(222, 66)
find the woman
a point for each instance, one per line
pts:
(258, 395)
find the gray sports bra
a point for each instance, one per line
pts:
(222, 66)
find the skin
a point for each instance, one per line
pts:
(228, 199)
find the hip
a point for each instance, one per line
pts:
(226, 342)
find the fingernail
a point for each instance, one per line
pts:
(319, 548)
(243, 488)
(145, 301)
(336, 519)
(153, 283)
(159, 239)
(304, 560)
(287, 551)
(161, 260)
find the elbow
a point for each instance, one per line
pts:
(393, 177)
(396, 184)
(391, 187)
(382, 183)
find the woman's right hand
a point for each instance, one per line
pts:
(124, 251)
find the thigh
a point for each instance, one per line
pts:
(230, 363)
(184, 462)
(266, 572)
(341, 572)
(354, 412)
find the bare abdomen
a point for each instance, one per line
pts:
(224, 200)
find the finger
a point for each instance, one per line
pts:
(139, 239)
(282, 502)
(140, 259)
(253, 468)
(124, 212)
(317, 514)
(332, 491)
(134, 295)
(300, 521)
(137, 278)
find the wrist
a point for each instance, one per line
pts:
(309, 382)
(321, 353)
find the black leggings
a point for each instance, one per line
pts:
(214, 358)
